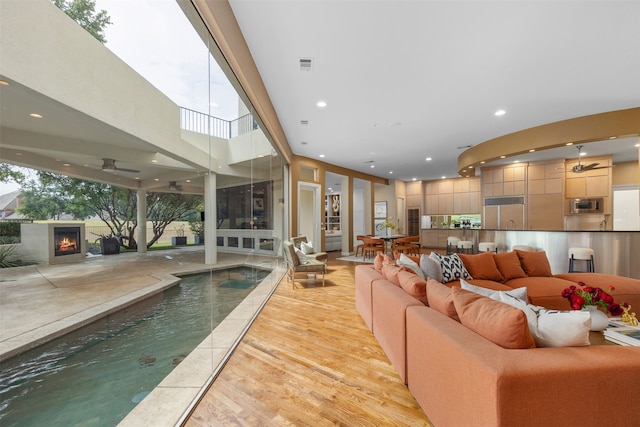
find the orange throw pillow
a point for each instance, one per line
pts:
(509, 265)
(413, 285)
(496, 321)
(482, 266)
(535, 263)
(439, 298)
(391, 271)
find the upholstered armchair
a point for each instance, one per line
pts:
(294, 266)
(299, 240)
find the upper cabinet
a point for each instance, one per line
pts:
(453, 196)
(508, 180)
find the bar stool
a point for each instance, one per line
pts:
(465, 246)
(487, 247)
(522, 248)
(452, 243)
(581, 254)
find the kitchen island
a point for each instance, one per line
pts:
(616, 252)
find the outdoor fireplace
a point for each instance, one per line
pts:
(66, 241)
(53, 242)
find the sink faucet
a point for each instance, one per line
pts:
(511, 222)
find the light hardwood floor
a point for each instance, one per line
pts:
(309, 360)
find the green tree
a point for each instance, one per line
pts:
(164, 208)
(115, 206)
(8, 174)
(84, 13)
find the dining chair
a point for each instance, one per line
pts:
(372, 245)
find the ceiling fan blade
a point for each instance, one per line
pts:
(109, 165)
(127, 170)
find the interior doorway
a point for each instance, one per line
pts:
(310, 213)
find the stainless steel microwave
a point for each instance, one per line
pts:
(580, 206)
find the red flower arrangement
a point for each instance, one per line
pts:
(586, 295)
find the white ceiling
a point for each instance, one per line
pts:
(407, 80)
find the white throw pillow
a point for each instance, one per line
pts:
(410, 264)
(431, 268)
(302, 258)
(552, 328)
(452, 267)
(307, 248)
(520, 293)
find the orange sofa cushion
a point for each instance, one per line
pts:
(500, 323)
(439, 298)
(413, 285)
(509, 265)
(482, 266)
(535, 263)
(391, 271)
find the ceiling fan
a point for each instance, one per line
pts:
(109, 165)
(173, 185)
(580, 168)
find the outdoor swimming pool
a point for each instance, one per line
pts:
(96, 375)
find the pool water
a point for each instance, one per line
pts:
(96, 375)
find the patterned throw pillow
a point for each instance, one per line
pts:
(452, 267)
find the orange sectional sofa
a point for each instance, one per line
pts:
(461, 378)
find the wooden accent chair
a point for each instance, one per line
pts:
(407, 245)
(360, 246)
(293, 264)
(372, 245)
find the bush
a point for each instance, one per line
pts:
(8, 254)
(10, 229)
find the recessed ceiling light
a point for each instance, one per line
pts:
(569, 143)
(20, 154)
(583, 153)
(373, 166)
(503, 157)
(612, 137)
(154, 161)
(516, 161)
(482, 162)
(156, 179)
(321, 104)
(414, 179)
(390, 172)
(321, 155)
(464, 170)
(428, 159)
(637, 145)
(188, 180)
(66, 164)
(3, 83)
(443, 177)
(499, 113)
(36, 115)
(532, 150)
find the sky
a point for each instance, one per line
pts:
(155, 38)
